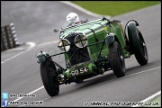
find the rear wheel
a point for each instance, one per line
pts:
(116, 59)
(137, 45)
(141, 53)
(49, 78)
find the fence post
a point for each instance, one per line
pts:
(4, 42)
(14, 35)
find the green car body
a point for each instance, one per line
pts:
(101, 29)
(90, 49)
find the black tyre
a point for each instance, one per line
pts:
(49, 78)
(116, 59)
(137, 45)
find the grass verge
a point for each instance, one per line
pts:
(113, 8)
(154, 103)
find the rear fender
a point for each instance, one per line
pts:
(132, 36)
(129, 25)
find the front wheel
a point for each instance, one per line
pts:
(49, 78)
(116, 59)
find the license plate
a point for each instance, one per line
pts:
(79, 71)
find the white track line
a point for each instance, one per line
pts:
(14, 49)
(83, 10)
(30, 93)
(133, 74)
(98, 83)
(47, 43)
(144, 71)
(32, 44)
(149, 98)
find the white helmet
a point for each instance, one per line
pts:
(72, 18)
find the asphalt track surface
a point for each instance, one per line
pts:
(35, 22)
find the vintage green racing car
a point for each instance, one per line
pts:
(90, 49)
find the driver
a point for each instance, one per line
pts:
(72, 18)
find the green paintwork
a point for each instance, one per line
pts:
(101, 28)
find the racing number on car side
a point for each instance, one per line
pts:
(78, 71)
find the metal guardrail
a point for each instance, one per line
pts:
(8, 37)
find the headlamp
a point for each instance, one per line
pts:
(80, 41)
(64, 45)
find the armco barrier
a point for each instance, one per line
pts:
(8, 37)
